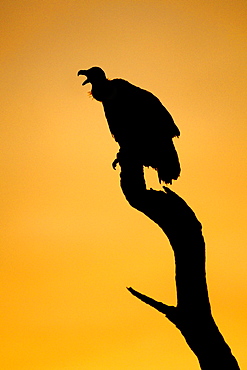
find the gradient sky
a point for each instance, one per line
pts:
(70, 243)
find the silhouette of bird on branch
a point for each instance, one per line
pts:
(139, 122)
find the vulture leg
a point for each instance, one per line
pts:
(115, 162)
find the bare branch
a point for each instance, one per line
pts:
(192, 315)
(169, 311)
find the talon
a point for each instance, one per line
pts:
(114, 163)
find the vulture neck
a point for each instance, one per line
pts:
(102, 90)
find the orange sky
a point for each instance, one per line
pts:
(70, 243)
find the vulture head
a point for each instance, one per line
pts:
(95, 75)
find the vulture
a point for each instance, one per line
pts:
(138, 122)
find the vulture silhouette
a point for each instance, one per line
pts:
(138, 122)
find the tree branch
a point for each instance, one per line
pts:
(169, 311)
(192, 315)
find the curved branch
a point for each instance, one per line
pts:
(192, 315)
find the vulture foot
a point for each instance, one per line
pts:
(115, 163)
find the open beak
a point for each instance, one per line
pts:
(85, 82)
(83, 72)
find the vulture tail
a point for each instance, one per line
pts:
(168, 164)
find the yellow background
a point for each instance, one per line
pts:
(70, 243)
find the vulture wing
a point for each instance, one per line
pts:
(141, 124)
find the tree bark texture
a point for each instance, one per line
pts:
(192, 315)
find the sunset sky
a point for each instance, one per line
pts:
(70, 242)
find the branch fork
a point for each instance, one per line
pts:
(192, 315)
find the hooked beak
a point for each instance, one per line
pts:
(83, 72)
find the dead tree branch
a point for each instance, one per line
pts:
(192, 315)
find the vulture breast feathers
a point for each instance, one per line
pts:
(138, 121)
